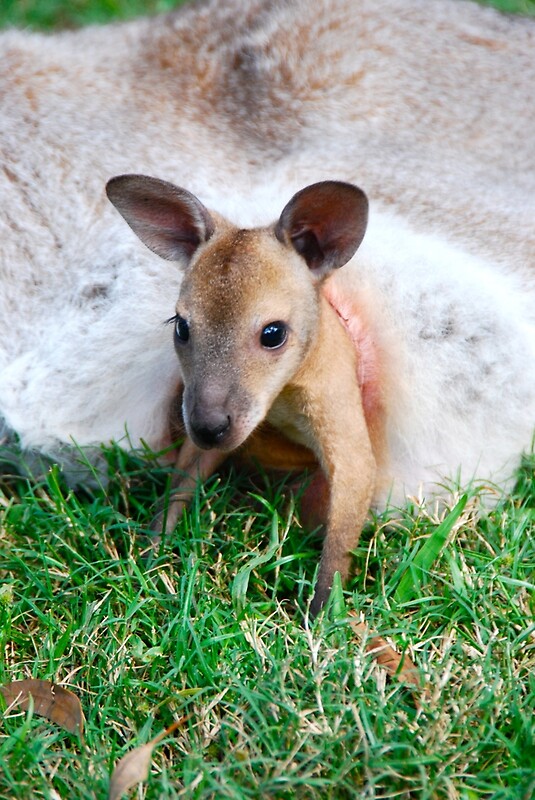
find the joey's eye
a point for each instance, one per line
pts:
(181, 329)
(274, 335)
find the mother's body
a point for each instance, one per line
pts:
(426, 104)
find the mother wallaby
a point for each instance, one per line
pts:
(426, 104)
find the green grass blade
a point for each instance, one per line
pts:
(426, 555)
(241, 581)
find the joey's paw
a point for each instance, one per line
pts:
(163, 522)
(166, 518)
(150, 540)
(158, 524)
(321, 595)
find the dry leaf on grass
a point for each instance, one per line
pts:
(133, 768)
(399, 665)
(57, 704)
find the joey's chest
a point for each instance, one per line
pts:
(287, 414)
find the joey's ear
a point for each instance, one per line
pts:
(169, 220)
(325, 223)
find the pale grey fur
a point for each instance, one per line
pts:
(426, 104)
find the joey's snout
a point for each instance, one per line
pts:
(210, 414)
(209, 427)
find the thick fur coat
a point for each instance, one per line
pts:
(426, 104)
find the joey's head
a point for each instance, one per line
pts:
(248, 310)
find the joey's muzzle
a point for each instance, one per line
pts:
(209, 427)
(216, 414)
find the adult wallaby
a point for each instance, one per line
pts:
(426, 104)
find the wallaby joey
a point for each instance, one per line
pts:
(257, 340)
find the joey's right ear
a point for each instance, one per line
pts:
(325, 223)
(170, 221)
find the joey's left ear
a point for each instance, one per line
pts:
(325, 223)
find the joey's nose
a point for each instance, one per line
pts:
(209, 431)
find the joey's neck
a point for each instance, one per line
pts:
(358, 334)
(329, 352)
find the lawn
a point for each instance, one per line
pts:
(62, 13)
(208, 632)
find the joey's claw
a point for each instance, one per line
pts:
(151, 539)
(163, 522)
(166, 519)
(321, 595)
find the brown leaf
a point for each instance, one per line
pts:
(133, 768)
(49, 700)
(396, 664)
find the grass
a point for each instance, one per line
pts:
(513, 6)
(210, 628)
(275, 708)
(47, 14)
